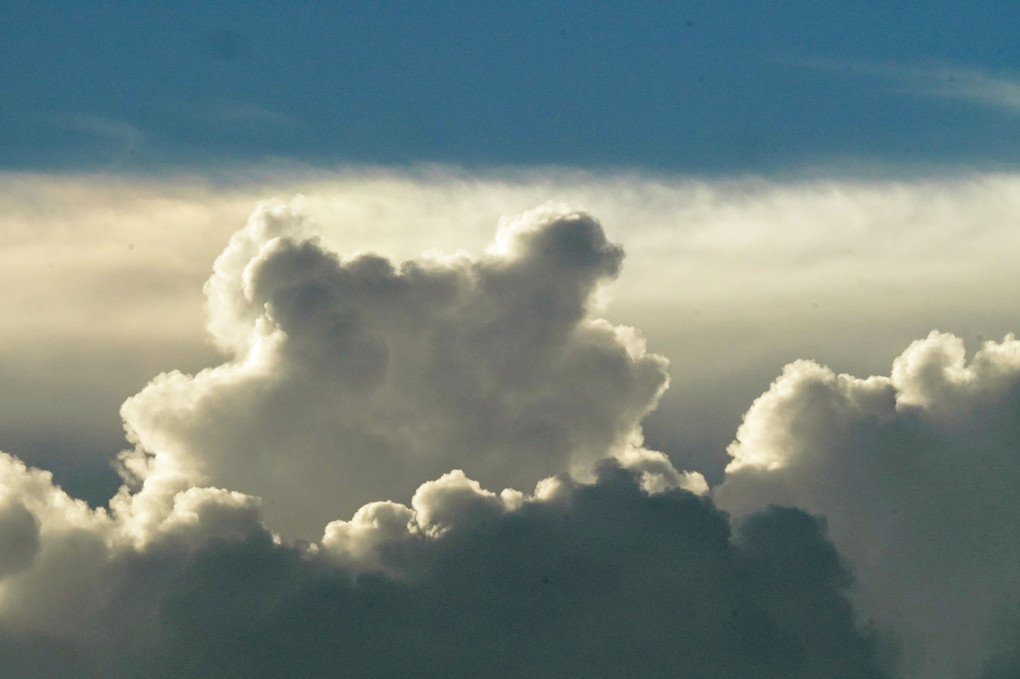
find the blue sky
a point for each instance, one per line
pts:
(709, 88)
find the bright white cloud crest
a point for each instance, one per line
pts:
(916, 474)
(351, 380)
(354, 379)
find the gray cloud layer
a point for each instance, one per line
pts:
(578, 580)
(600, 580)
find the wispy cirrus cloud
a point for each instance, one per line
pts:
(962, 84)
(936, 79)
(118, 139)
(248, 114)
(101, 126)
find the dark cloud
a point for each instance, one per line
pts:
(1003, 666)
(581, 579)
(602, 580)
(36, 657)
(19, 534)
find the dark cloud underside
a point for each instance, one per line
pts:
(604, 581)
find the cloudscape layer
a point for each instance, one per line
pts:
(441, 464)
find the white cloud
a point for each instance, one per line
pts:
(916, 475)
(729, 279)
(86, 583)
(353, 379)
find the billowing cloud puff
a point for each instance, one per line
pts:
(80, 587)
(599, 580)
(576, 580)
(353, 379)
(916, 474)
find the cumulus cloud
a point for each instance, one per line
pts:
(730, 279)
(351, 385)
(916, 474)
(600, 579)
(79, 586)
(353, 379)
(581, 579)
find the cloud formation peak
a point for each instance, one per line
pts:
(352, 379)
(916, 474)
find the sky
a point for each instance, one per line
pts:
(557, 339)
